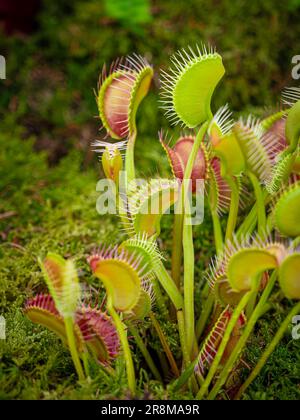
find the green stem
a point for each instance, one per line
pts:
(129, 158)
(165, 344)
(125, 346)
(269, 350)
(159, 299)
(85, 359)
(177, 248)
(218, 235)
(249, 223)
(189, 272)
(134, 332)
(122, 212)
(69, 325)
(188, 245)
(243, 340)
(253, 299)
(182, 337)
(213, 369)
(251, 304)
(260, 204)
(164, 364)
(184, 377)
(168, 285)
(185, 352)
(175, 296)
(295, 243)
(234, 209)
(201, 323)
(205, 291)
(268, 307)
(209, 302)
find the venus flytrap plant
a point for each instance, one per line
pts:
(178, 156)
(126, 271)
(289, 278)
(120, 93)
(215, 153)
(147, 204)
(188, 86)
(92, 330)
(63, 284)
(147, 247)
(187, 92)
(228, 164)
(229, 365)
(247, 147)
(258, 150)
(284, 129)
(122, 275)
(214, 339)
(231, 265)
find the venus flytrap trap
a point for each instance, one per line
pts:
(62, 281)
(288, 203)
(119, 94)
(82, 327)
(112, 163)
(123, 276)
(218, 156)
(187, 92)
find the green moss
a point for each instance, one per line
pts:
(279, 379)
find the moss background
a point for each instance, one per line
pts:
(48, 172)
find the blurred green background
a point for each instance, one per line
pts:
(48, 173)
(52, 72)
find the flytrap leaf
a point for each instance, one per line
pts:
(289, 276)
(220, 191)
(112, 163)
(178, 157)
(292, 128)
(149, 203)
(224, 293)
(230, 154)
(224, 143)
(63, 284)
(296, 165)
(256, 148)
(122, 275)
(242, 263)
(120, 94)
(287, 212)
(275, 122)
(92, 327)
(99, 334)
(280, 154)
(42, 310)
(188, 87)
(213, 340)
(150, 255)
(146, 248)
(280, 172)
(244, 267)
(143, 307)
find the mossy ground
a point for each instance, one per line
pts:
(48, 175)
